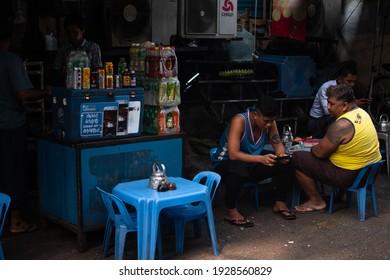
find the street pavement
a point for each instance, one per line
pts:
(340, 236)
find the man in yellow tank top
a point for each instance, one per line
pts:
(349, 144)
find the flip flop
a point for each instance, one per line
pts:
(240, 222)
(29, 228)
(286, 214)
(305, 209)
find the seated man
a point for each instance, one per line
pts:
(239, 158)
(320, 119)
(349, 144)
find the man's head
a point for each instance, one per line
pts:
(74, 26)
(266, 110)
(347, 75)
(341, 99)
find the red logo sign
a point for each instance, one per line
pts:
(227, 6)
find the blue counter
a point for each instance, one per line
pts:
(69, 172)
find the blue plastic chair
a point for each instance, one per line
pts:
(5, 201)
(249, 184)
(364, 181)
(182, 214)
(123, 221)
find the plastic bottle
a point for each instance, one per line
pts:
(176, 119)
(70, 61)
(133, 79)
(147, 62)
(122, 64)
(82, 59)
(51, 42)
(161, 117)
(142, 57)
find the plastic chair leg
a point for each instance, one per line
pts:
(211, 230)
(361, 199)
(179, 235)
(1, 252)
(197, 228)
(373, 201)
(295, 195)
(120, 239)
(159, 243)
(332, 196)
(107, 237)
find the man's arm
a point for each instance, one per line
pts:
(338, 133)
(33, 94)
(275, 140)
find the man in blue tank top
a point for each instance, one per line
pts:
(239, 158)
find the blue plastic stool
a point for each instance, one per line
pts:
(364, 181)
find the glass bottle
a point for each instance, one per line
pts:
(126, 78)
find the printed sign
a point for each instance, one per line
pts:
(94, 117)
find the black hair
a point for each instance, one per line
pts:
(267, 106)
(349, 67)
(75, 19)
(341, 92)
(5, 32)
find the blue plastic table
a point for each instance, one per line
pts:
(149, 202)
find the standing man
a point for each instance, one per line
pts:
(319, 119)
(349, 144)
(74, 26)
(238, 158)
(15, 88)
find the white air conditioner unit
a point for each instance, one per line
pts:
(207, 19)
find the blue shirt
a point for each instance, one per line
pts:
(248, 144)
(13, 78)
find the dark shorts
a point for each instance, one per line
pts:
(323, 170)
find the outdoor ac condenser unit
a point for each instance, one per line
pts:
(207, 19)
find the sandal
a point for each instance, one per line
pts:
(286, 214)
(307, 209)
(240, 222)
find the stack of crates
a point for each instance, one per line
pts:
(297, 74)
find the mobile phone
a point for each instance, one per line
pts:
(110, 119)
(282, 157)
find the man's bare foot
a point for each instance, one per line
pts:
(308, 207)
(280, 206)
(281, 209)
(23, 227)
(233, 214)
(235, 218)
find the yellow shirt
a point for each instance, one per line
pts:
(363, 147)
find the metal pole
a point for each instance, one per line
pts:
(373, 64)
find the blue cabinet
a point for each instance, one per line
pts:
(69, 172)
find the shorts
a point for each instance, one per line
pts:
(323, 170)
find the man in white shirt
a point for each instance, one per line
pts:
(319, 119)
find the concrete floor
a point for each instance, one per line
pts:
(309, 237)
